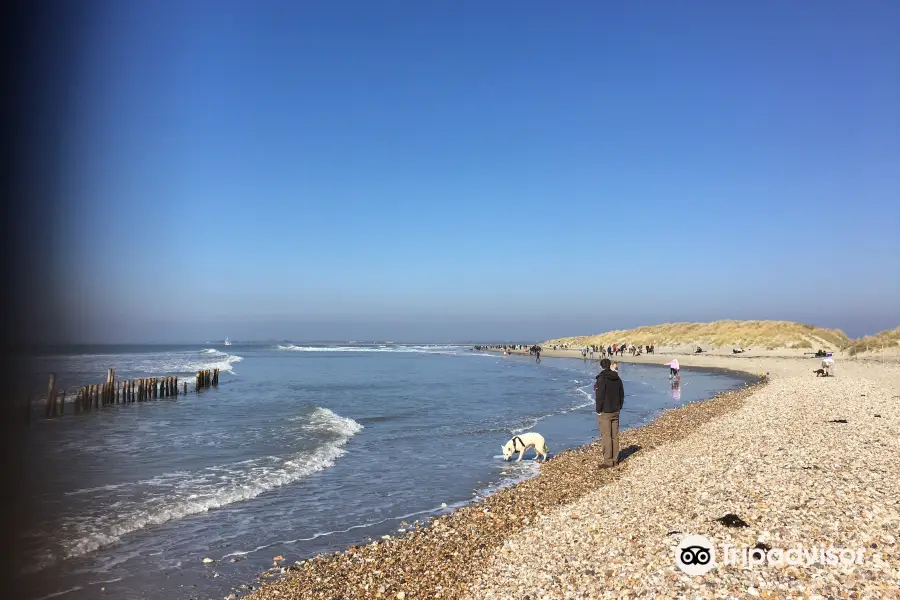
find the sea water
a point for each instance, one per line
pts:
(301, 449)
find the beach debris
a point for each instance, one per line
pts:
(762, 546)
(278, 558)
(838, 421)
(732, 520)
(207, 561)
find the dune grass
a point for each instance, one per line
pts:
(719, 334)
(885, 339)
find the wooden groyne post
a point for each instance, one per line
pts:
(113, 391)
(206, 379)
(51, 396)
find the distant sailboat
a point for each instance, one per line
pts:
(227, 342)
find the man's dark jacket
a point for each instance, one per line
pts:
(610, 392)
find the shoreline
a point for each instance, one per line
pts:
(435, 559)
(485, 549)
(740, 371)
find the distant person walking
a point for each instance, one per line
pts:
(609, 398)
(592, 353)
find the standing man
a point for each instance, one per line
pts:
(610, 396)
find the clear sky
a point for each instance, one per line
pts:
(470, 170)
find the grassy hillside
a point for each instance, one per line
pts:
(749, 334)
(885, 339)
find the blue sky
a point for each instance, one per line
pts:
(461, 170)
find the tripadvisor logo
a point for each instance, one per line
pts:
(695, 555)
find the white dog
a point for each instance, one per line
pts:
(521, 443)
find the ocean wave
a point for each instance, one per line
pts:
(533, 421)
(91, 368)
(427, 349)
(173, 496)
(515, 473)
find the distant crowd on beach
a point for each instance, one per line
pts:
(586, 351)
(610, 350)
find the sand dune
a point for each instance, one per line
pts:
(886, 340)
(748, 334)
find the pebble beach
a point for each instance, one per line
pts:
(795, 460)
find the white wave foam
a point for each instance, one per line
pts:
(535, 420)
(130, 366)
(176, 495)
(427, 349)
(60, 593)
(427, 511)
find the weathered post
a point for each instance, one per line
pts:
(110, 378)
(51, 395)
